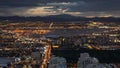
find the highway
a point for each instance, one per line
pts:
(46, 58)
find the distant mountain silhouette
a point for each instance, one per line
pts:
(58, 18)
(62, 16)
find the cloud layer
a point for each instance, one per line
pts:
(53, 7)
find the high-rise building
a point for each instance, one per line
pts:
(99, 65)
(57, 62)
(85, 61)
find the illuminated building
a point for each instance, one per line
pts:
(85, 61)
(57, 62)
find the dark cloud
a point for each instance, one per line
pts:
(99, 6)
(18, 3)
(86, 7)
(90, 3)
(13, 11)
(24, 3)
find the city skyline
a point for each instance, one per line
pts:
(59, 34)
(85, 8)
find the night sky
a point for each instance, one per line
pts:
(87, 8)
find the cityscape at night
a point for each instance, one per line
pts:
(59, 34)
